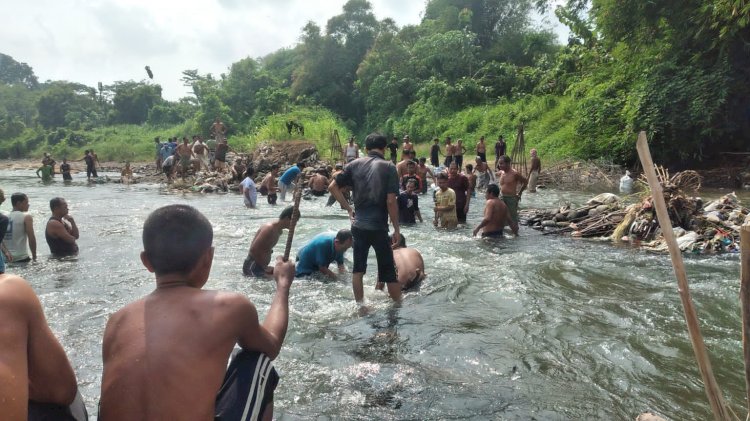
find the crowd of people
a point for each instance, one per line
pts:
(162, 357)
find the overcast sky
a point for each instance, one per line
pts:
(89, 41)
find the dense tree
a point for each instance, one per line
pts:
(132, 101)
(15, 73)
(64, 103)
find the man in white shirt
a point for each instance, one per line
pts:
(249, 192)
(20, 230)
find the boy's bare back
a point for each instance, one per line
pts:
(165, 355)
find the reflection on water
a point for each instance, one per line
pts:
(538, 327)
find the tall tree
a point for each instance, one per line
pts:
(13, 72)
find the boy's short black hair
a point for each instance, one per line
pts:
(401, 241)
(249, 171)
(287, 213)
(494, 190)
(344, 234)
(17, 198)
(505, 159)
(173, 226)
(375, 141)
(442, 176)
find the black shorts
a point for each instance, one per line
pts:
(460, 215)
(493, 234)
(379, 241)
(447, 162)
(250, 268)
(459, 161)
(482, 156)
(247, 388)
(167, 169)
(318, 193)
(49, 411)
(272, 198)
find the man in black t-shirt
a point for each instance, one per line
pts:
(374, 184)
(500, 147)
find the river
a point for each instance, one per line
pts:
(538, 327)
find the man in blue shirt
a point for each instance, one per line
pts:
(321, 251)
(286, 181)
(374, 183)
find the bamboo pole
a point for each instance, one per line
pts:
(295, 217)
(715, 398)
(745, 301)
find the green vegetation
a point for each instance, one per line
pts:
(678, 70)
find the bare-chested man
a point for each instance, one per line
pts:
(422, 171)
(496, 215)
(482, 150)
(511, 186)
(36, 378)
(185, 152)
(407, 147)
(219, 130)
(165, 355)
(318, 183)
(402, 167)
(268, 186)
(450, 150)
(409, 266)
(261, 248)
(200, 150)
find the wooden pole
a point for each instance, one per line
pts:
(745, 302)
(715, 398)
(295, 216)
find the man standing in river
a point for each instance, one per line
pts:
(61, 232)
(496, 216)
(374, 184)
(261, 248)
(462, 188)
(20, 230)
(511, 186)
(500, 147)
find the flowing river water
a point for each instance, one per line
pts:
(538, 327)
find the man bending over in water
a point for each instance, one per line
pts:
(496, 215)
(165, 355)
(259, 255)
(318, 183)
(36, 378)
(409, 266)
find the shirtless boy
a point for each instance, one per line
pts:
(37, 379)
(511, 186)
(165, 355)
(268, 185)
(261, 248)
(496, 215)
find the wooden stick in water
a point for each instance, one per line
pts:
(715, 398)
(745, 302)
(295, 217)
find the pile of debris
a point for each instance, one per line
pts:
(713, 228)
(581, 175)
